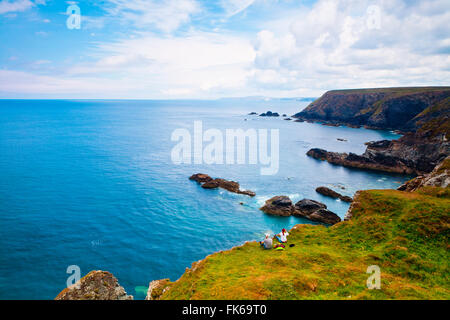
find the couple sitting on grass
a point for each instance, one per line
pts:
(268, 242)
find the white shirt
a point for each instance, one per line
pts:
(283, 236)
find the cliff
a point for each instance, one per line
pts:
(426, 120)
(402, 109)
(403, 233)
(96, 285)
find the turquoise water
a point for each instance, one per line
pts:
(91, 183)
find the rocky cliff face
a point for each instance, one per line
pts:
(439, 177)
(425, 113)
(96, 285)
(387, 108)
(408, 155)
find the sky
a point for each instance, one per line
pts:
(205, 49)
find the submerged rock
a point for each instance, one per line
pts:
(96, 285)
(333, 194)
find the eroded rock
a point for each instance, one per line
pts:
(279, 206)
(333, 194)
(209, 183)
(96, 285)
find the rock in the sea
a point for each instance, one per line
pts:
(96, 285)
(279, 206)
(333, 194)
(252, 113)
(439, 177)
(200, 177)
(210, 183)
(315, 211)
(213, 184)
(324, 216)
(306, 207)
(157, 288)
(269, 114)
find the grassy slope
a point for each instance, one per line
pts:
(406, 234)
(398, 91)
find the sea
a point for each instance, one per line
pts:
(93, 185)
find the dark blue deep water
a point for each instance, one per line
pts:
(91, 183)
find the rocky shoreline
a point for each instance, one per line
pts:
(423, 114)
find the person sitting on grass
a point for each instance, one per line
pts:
(267, 242)
(282, 237)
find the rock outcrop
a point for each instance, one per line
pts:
(157, 288)
(209, 183)
(439, 177)
(423, 114)
(200, 177)
(333, 194)
(315, 211)
(270, 114)
(411, 154)
(278, 206)
(96, 285)
(306, 208)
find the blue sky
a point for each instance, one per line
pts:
(178, 49)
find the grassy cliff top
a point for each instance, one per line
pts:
(405, 234)
(399, 90)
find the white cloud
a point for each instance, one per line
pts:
(233, 7)
(166, 15)
(331, 46)
(299, 52)
(7, 6)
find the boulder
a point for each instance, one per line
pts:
(96, 285)
(200, 177)
(324, 216)
(209, 183)
(279, 206)
(306, 207)
(333, 194)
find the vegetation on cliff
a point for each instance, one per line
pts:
(404, 233)
(403, 109)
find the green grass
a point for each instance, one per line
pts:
(405, 234)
